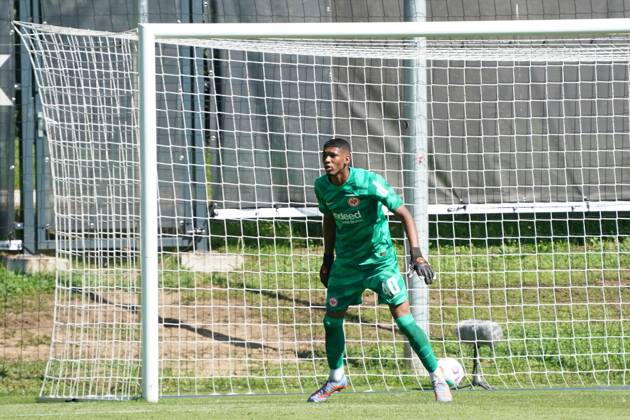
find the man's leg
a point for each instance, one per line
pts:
(422, 347)
(335, 344)
(345, 288)
(417, 337)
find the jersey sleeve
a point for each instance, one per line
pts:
(385, 193)
(321, 203)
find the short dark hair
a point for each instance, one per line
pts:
(339, 143)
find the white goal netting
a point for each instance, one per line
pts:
(528, 169)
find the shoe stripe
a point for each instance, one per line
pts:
(325, 394)
(331, 391)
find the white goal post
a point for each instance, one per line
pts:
(527, 202)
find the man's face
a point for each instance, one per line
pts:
(335, 160)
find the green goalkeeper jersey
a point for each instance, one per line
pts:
(362, 230)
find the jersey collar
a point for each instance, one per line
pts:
(350, 176)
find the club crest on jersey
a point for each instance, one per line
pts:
(332, 302)
(353, 201)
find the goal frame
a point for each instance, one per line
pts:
(150, 33)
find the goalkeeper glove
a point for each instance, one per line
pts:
(421, 266)
(324, 271)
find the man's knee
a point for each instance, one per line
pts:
(400, 310)
(332, 322)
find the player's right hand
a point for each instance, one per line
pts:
(324, 271)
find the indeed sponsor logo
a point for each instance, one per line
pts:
(348, 218)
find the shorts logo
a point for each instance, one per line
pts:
(332, 302)
(353, 201)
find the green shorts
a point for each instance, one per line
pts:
(348, 281)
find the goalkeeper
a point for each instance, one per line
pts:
(357, 231)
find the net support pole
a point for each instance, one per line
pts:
(415, 169)
(148, 216)
(143, 11)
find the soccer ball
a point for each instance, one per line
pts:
(452, 369)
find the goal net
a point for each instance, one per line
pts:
(525, 183)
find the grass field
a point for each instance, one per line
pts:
(565, 404)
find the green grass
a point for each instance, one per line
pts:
(20, 379)
(14, 285)
(565, 404)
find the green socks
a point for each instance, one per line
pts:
(418, 340)
(335, 341)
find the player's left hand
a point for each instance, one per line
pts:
(421, 266)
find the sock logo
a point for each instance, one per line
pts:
(332, 302)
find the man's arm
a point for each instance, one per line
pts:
(329, 248)
(410, 226)
(329, 234)
(418, 262)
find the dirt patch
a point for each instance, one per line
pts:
(25, 335)
(222, 336)
(213, 333)
(218, 335)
